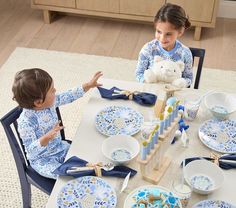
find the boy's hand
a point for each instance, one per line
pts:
(55, 130)
(51, 134)
(93, 82)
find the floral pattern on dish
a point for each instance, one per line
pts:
(202, 182)
(87, 192)
(213, 204)
(219, 135)
(121, 155)
(115, 120)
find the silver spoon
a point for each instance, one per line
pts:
(107, 167)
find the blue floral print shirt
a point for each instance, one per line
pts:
(33, 124)
(153, 48)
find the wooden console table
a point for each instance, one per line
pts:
(202, 13)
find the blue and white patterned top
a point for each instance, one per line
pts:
(33, 124)
(153, 48)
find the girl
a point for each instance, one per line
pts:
(38, 124)
(170, 23)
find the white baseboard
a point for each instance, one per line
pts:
(227, 9)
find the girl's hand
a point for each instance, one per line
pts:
(51, 134)
(93, 82)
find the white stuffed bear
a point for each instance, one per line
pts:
(166, 71)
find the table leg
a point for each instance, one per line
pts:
(197, 33)
(47, 16)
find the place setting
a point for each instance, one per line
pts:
(114, 119)
(219, 133)
(90, 189)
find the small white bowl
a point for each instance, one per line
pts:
(220, 104)
(203, 176)
(120, 149)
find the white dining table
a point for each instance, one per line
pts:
(88, 141)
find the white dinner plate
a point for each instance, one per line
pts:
(219, 135)
(87, 192)
(115, 120)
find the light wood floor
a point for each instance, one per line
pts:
(21, 26)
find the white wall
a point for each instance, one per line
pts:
(227, 9)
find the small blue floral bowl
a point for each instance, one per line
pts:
(120, 149)
(203, 176)
(221, 105)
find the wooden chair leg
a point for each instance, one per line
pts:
(47, 16)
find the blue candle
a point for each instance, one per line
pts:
(144, 150)
(148, 146)
(150, 141)
(169, 110)
(161, 124)
(166, 123)
(155, 134)
(173, 113)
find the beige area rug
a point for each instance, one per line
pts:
(69, 70)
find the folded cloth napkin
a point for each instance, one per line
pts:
(226, 162)
(117, 171)
(142, 98)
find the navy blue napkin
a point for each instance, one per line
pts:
(226, 165)
(142, 98)
(117, 171)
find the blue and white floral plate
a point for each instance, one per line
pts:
(142, 194)
(219, 135)
(115, 120)
(87, 192)
(213, 204)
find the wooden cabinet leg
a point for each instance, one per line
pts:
(47, 16)
(197, 33)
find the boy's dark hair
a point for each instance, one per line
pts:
(30, 85)
(173, 14)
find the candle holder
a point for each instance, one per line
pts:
(153, 160)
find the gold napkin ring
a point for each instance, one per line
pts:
(215, 158)
(129, 94)
(97, 168)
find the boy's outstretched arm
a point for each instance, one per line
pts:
(93, 82)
